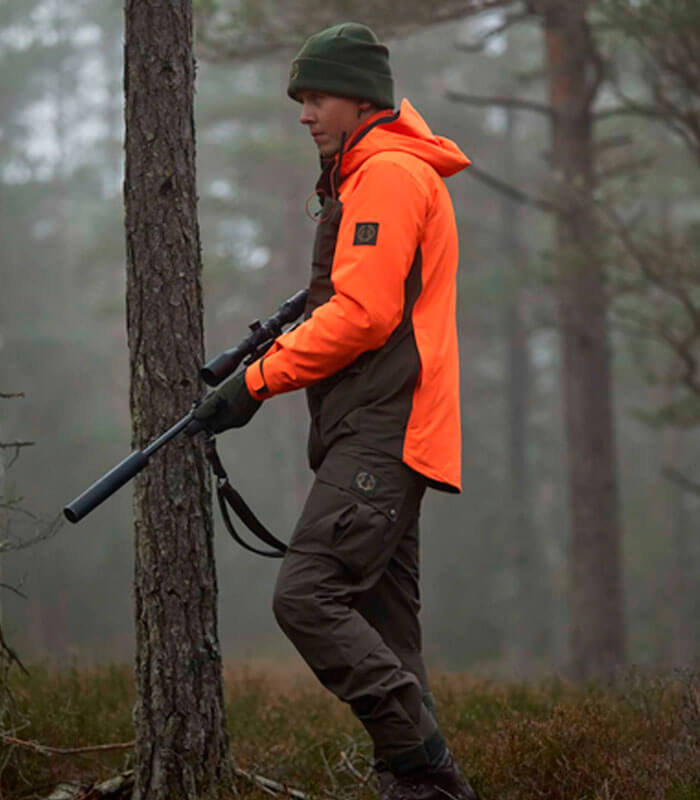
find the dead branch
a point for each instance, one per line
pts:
(5, 396)
(117, 787)
(626, 168)
(513, 192)
(656, 273)
(631, 110)
(50, 530)
(15, 507)
(478, 44)
(17, 446)
(608, 142)
(46, 750)
(231, 38)
(503, 102)
(13, 589)
(676, 477)
(352, 769)
(10, 653)
(270, 786)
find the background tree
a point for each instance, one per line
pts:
(657, 280)
(62, 338)
(574, 75)
(182, 744)
(574, 70)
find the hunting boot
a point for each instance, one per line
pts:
(435, 783)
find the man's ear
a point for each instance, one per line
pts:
(364, 108)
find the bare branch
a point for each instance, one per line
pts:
(231, 37)
(673, 475)
(634, 110)
(16, 446)
(503, 102)
(4, 396)
(626, 168)
(45, 750)
(478, 45)
(10, 653)
(272, 786)
(513, 192)
(608, 142)
(655, 269)
(51, 529)
(13, 589)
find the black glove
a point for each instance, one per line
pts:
(229, 406)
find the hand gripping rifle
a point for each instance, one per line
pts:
(254, 346)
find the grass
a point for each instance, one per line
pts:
(637, 741)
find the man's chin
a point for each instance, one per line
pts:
(327, 152)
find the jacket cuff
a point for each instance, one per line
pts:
(255, 380)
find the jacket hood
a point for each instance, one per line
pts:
(403, 131)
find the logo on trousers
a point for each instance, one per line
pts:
(365, 482)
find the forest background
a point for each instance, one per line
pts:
(495, 593)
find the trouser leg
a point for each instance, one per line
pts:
(392, 605)
(360, 508)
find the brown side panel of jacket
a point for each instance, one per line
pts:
(372, 397)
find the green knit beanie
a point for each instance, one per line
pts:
(346, 60)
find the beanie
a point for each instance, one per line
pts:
(346, 60)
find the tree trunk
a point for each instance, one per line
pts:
(525, 567)
(596, 630)
(182, 745)
(675, 526)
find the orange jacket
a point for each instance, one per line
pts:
(396, 237)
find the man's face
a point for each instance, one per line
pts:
(328, 117)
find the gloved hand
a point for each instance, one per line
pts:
(229, 406)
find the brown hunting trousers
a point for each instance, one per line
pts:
(347, 596)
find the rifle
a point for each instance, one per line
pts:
(253, 347)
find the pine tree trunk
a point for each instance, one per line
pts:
(597, 631)
(524, 562)
(182, 745)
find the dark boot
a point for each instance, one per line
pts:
(443, 783)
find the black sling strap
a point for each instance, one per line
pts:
(228, 496)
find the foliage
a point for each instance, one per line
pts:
(655, 273)
(667, 35)
(639, 738)
(62, 339)
(234, 30)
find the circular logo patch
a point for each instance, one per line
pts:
(365, 482)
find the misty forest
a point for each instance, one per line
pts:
(154, 185)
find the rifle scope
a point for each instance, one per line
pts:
(252, 347)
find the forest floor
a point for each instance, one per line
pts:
(638, 740)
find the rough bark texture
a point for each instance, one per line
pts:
(597, 632)
(182, 746)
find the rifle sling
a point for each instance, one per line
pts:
(229, 497)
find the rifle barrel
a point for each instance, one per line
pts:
(125, 470)
(106, 486)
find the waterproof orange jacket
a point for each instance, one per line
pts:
(378, 349)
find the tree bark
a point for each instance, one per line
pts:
(596, 615)
(181, 740)
(524, 562)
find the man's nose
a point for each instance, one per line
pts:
(306, 117)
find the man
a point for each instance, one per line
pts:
(377, 353)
